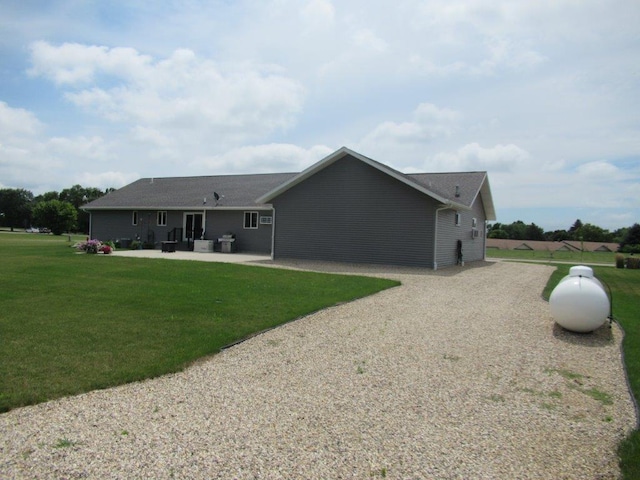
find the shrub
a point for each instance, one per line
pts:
(619, 261)
(630, 248)
(633, 262)
(93, 246)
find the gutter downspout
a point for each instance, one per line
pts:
(435, 236)
(273, 233)
(90, 223)
(484, 242)
(204, 224)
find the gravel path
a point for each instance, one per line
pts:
(456, 374)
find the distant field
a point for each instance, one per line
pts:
(577, 257)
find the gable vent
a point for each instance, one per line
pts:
(457, 190)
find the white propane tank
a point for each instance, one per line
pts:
(579, 302)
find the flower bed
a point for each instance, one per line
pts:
(94, 246)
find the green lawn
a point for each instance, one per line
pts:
(625, 289)
(72, 322)
(578, 257)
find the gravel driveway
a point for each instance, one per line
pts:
(460, 373)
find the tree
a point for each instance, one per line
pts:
(59, 216)
(574, 231)
(556, 236)
(631, 241)
(45, 197)
(497, 233)
(620, 234)
(517, 230)
(78, 196)
(592, 233)
(15, 207)
(534, 232)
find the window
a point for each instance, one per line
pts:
(474, 223)
(134, 218)
(458, 219)
(162, 219)
(250, 219)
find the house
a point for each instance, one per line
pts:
(345, 208)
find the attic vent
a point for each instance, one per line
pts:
(457, 190)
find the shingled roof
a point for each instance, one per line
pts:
(457, 190)
(466, 185)
(178, 193)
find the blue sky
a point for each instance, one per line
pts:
(543, 95)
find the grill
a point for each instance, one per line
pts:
(227, 243)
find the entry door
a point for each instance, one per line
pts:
(192, 226)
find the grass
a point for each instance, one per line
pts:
(72, 323)
(604, 258)
(625, 289)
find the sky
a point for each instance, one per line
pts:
(543, 95)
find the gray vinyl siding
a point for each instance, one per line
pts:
(475, 247)
(116, 224)
(221, 222)
(449, 233)
(352, 212)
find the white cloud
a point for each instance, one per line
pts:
(183, 91)
(73, 63)
(475, 157)
(17, 121)
(601, 171)
(365, 38)
(430, 113)
(93, 148)
(151, 137)
(429, 122)
(104, 180)
(319, 13)
(264, 159)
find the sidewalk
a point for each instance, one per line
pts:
(195, 256)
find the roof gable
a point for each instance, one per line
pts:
(439, 186)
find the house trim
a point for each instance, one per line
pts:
(201, 208)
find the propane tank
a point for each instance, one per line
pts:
(579, 302)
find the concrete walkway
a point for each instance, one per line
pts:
(196, 256)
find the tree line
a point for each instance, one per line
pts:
(628, 238)
(58, 211)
